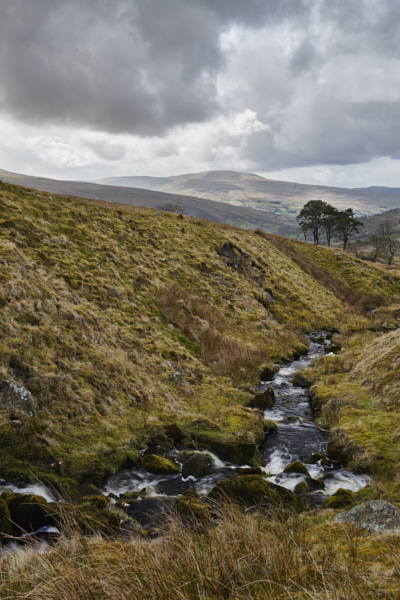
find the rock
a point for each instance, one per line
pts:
(159, 465)
(197, 465)
(341, 447)
(267, 373)
(28, 512)
(317, 457)
(339, 499)
(204, 423)
(297, 467)
(174, 432)
(231, 450)
(300, 381)
(374, 516)
(16, 397)
(191, 506)
(335, 348)
(315, 484)
(301, 488)
(151, 512)
(5, 521)
(251, 490)
(270, 426)
(263, 401)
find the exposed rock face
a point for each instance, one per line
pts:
(373, 515)
(16, 397)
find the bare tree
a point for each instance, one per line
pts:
(386, 240)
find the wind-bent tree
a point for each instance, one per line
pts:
(311, 218)
(346, 224)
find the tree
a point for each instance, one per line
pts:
(330, 220)
(311, 218)
(346, 224)
(386, 239)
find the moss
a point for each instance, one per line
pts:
(263, 401)
(84, 467)
(159, 465)
(270, 426)
(252, 490)
(301, 488)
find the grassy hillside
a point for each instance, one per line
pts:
(120, 320)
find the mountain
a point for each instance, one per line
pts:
(253, 191)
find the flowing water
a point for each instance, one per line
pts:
(296, 438)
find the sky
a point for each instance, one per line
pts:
(297, 90)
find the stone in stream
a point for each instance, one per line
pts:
(263, 401)
(299, 380)
(197, 465)
(192, 508)
(318, 457)
(339, 499)
(159, 465)
(251, 490)
(151, 512)
(28, 512)
(297, 467)
(374, 516)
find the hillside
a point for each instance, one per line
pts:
(253, 191)
(174, 202)
(123, 321)
(107, 311)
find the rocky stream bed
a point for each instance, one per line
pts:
(190, 480)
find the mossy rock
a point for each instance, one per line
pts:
(341, 447)
(198, 465)
(297, 467)
(339, 499)
(190, 506)
(268, 372)
(301, 488)
(5, 521)
(159, 465)
(270, 426)
(250, 490)
(205, 423)
(299, 380)
(28, 512)
(317, 457)
(335, 348)
(315, 484)
(174, 432)
(229, 448)
(100, 502)
(84, 468)
(263, 401)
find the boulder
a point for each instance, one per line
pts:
(151, 512)
(297, 467)
(317, 457)
(198, 465)
(28, 512)
(270, 426)
(250, 490)
(339, 499)
(16, 397)
(159, 465)
(192, 508)
(267, 373)
(374, 516)
(263, 401)
(5, 521)
(174, 432)
(335, 348)
(300, 381)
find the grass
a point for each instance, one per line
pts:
(247, 557)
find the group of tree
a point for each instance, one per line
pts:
(317, 217)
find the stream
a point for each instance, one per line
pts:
(296, 438)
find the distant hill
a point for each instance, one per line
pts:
(240, 216)
(253, 191)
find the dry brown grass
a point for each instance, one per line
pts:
(245, 558)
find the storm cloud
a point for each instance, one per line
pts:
(258, 85)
